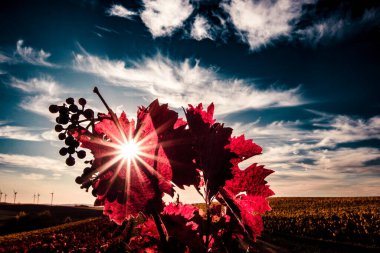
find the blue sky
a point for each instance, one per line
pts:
(298, 77)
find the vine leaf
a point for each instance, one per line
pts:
(211, 139)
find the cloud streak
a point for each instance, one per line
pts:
(31, 162)
(32, 176)
(337, 27)
(32, 56)
(4, 58)
(181, 83)
(315, 157)
(18, 133)
(41, 92)
(120, 11)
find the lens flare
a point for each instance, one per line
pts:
(129, 149)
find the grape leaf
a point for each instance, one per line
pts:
(127, 189)
(247, 191)
(182, 227)
(210, 141)
(176, 141)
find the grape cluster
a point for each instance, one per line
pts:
(86, 179)
(68, 120)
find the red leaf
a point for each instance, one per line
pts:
(176, 142)
(127, 188)
(249, 205)
(243, 148)
(187, 211)
(250, 180)
(210, 140)
(180, 225)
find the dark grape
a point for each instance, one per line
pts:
(70, 127)
(70, 101)
(53, 108)
(87, 170)
(74, 117)
(61, 136)
(82, 101)
(58, 128)
(73, 108)
(70, 161)
(94, 192)
(75, 143)
(69, 140)
(81, 154)
(86, 185)
(63, 110)
(71, 150)
(63, 119)
(63, 151)
(79, 180)
(88, 113)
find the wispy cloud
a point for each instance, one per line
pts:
(163, 17)
(41, 92)
(257, 23)
(120, 11)
(51, 168)
(19, 132)
(31, 162)
(297, 153)
(32, 176)
(201, 29)
(337, 27)
(4, 58)
(344, 129)
(260, 22)
(32, 56)
(181, 83)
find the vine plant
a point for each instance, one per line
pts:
(134, 163)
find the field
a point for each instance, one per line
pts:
(25, 217)
(294, 225)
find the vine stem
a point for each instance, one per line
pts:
(208, 218)
(113, 115)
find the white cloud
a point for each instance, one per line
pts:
(201, 29)
(294, 152)
(260, 22)
(181, 83)
(345, 129)
(31, 162)
(120, 11)
(335, 130)
(163, 17)
(32, 176)
(338, 26)
(42, 92)
(18, 133)
(32, 56)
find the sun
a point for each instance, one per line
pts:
(129, 150)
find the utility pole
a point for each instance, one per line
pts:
(1, 195)
(52, 194)
(34, 198)
(5, 198)
(38, 198)
(14, 197)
